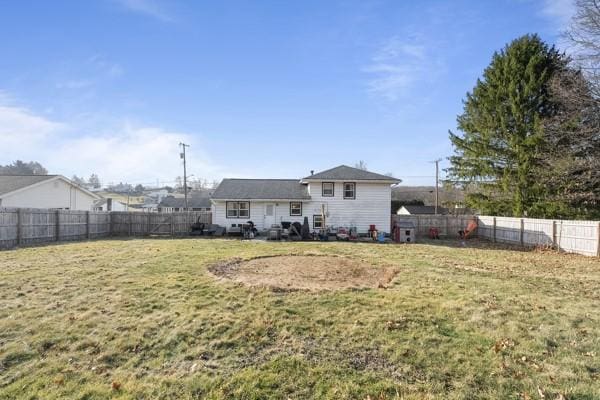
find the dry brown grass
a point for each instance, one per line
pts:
(309, 272)
(146, 319)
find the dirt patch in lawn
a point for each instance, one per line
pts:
(305, 272)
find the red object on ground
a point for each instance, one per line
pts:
(372, 232)
(471, 227)
(434, 233)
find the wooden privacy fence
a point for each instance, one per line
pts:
(581, 237)
(25, 226)
(448, 225)
(125, 223)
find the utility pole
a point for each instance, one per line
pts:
(182, 155)
(437, 182)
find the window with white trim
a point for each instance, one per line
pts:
(317, 221)
(295, 209)
(327, 189)
(238, 209)
(349, 190)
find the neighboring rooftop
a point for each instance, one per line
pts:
(194, 201)
(266, 189)
(10, 183)
(346, 173)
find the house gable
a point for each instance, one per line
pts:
(54, 192)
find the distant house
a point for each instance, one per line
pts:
(338, 197)
(110, 205)
(421, 210)
(44, 191)
(195, 202)
(156, 195)
(125, 198)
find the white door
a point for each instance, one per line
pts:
(270, 218)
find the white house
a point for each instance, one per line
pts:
(157, 195)
(44, 191)
(349, 197)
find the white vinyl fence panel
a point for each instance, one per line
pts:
(581, 237)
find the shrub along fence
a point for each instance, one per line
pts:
(25, 226)
(581, 237)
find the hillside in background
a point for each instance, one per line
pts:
(425, 195)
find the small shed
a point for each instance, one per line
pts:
(405, 232)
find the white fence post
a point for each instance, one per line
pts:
(598, 241)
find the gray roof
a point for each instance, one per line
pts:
(10, 183)
(266, 189)
(425, 209)
(346, 173)
(405, 224)
(194, 201)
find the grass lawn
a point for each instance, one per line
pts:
(144, 319)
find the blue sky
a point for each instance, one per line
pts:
(258, 88)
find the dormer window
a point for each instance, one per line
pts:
(327, 189)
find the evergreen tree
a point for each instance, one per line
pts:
(498, 153)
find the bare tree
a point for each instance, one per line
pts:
(78, 180)
(584, 34)
(178, 183)
(94, 181)
(570, 158)
(361, 165)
